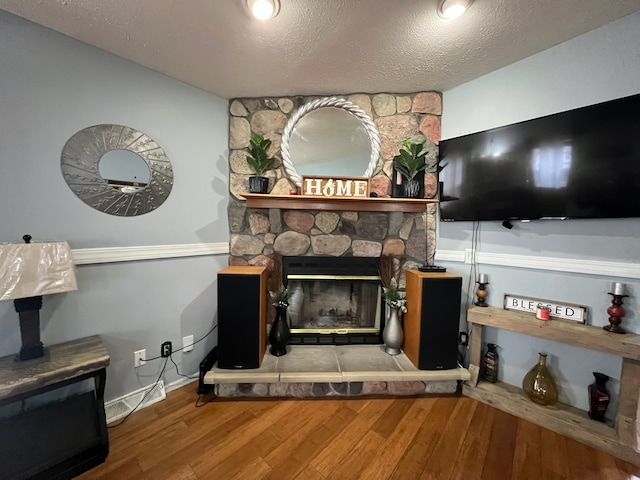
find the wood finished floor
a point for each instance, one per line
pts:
(344, 438)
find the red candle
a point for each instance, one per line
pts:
(542, 313)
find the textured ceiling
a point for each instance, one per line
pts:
(318, 47)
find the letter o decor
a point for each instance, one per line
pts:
(350, 107)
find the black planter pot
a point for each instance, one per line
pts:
(411, 188)
(279, 334)
(258, 184)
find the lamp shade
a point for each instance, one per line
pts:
(34, 269)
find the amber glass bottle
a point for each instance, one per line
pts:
(490, 363)
(539, 384)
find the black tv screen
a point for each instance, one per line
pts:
(583, 163)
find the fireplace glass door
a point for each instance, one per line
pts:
(325, 307)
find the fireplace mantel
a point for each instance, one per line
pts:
(349, 204)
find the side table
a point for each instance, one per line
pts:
(52, 418)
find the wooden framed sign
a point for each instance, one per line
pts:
(565, 311)
(338, 187)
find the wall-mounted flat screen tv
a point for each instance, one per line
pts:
(583, 163)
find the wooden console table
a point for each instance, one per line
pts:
(621, 440)
(53, 421)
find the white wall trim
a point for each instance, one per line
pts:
(555, 264)
(87, 256)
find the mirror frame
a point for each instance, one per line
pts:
(81, 156)
(343, 104)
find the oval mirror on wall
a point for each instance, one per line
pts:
(117, 170)
(330, 137)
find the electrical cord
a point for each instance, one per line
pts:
(213, 397)
(143, 397)
(160, 377)
(178, 371)
(475, 243)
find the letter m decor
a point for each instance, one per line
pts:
(339, 187)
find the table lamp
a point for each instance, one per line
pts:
(28, 271)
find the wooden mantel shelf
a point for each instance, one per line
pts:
(349, 204)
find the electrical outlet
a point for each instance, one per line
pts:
(187, 343)
(165, 349)
(138, 358)
(464, 338)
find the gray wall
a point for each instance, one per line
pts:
(52, 86)
(601, 65)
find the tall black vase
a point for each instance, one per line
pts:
(279, 334)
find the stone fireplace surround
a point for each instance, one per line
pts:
(256, 233)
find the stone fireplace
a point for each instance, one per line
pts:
(336, 331)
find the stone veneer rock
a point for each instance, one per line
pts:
(254, 234)
(304, 390)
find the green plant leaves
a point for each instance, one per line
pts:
(258, 157)
(411, 159)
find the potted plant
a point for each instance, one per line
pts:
(409, 162)
(260, 161)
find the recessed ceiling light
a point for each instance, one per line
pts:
(453, 8)
(263, 9)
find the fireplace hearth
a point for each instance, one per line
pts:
(334, 301)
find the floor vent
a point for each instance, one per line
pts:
(122, 406)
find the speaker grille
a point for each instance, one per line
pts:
(440, 323)
(238, 321)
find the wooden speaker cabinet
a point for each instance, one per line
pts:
(431, 323)
(242, 316)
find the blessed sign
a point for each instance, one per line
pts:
(556, 310)
(357, 187)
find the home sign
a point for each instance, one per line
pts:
(566, 311)
(338, 187)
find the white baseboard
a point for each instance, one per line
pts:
(122, 406)
(139, 399)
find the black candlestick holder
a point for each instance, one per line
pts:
(482, 293)
(616, 312)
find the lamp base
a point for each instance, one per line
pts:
(30, 352)
(29, 312)
(431, 268)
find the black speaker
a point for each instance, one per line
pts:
(242, 316)
(432, 321)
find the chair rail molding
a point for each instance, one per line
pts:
(89, 256)
(554, 264)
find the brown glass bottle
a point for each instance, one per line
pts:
(539, 384)
(490, 363)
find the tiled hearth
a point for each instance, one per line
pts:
(351, 370)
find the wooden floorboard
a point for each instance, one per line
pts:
(430, 437)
